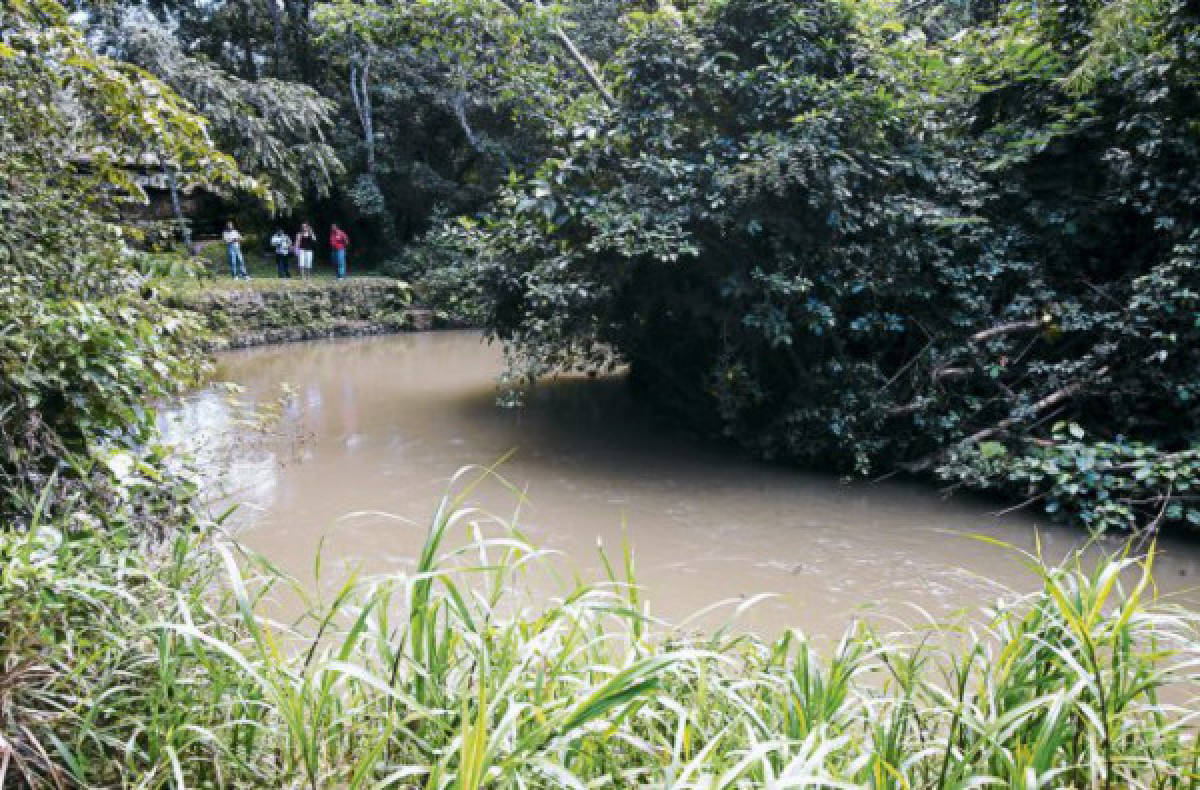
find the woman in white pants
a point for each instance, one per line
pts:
(306, 242)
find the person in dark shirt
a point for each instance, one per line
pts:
(306, 242)
(281, 243)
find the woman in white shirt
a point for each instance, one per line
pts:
(306, 242)
(233, 248)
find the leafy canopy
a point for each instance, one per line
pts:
(838, 240)
(85, 344)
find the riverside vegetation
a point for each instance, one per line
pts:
(134, 650)
(152, 673)
(956, 239)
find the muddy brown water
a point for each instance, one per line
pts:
(379, 425)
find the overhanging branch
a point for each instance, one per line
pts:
(1040, 406)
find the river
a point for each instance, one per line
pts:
(379, 425)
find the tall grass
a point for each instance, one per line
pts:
(118, 669)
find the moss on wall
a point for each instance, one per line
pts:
(257, 312)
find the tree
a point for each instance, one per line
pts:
(276, 130)
(460, 95)
(818, 233)
(85, 341)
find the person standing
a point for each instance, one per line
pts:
(306, 242)
(233, 248)
(283, 249)
(338, 242)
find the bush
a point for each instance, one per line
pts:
(87, 344)
(439, 267)
(819, 235)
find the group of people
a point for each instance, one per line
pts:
(302, 246)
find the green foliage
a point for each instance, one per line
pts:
(274, 129)
(441, 280)
(752, 231)
(86, 346)
(366, 197)
(1103, 484)
(168, 265)
(838, 242)
(151, 673)
(464, 92)
(94, 695)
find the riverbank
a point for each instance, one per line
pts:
(242, 314)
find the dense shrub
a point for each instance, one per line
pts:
(86, 345)
(442, 279)
(813, 231)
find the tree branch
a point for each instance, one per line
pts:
(1051, 400)
(460, 111)
(1006, 329)
(1048, 402)
(585, 65)
(580, 59)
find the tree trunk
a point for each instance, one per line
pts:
(250, 67)
(580, 59)
(298, 34)
(361, 94)
(277, 31)
(185, 230)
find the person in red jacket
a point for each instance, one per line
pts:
(338, 242)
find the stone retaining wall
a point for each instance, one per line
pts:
(241, 315)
